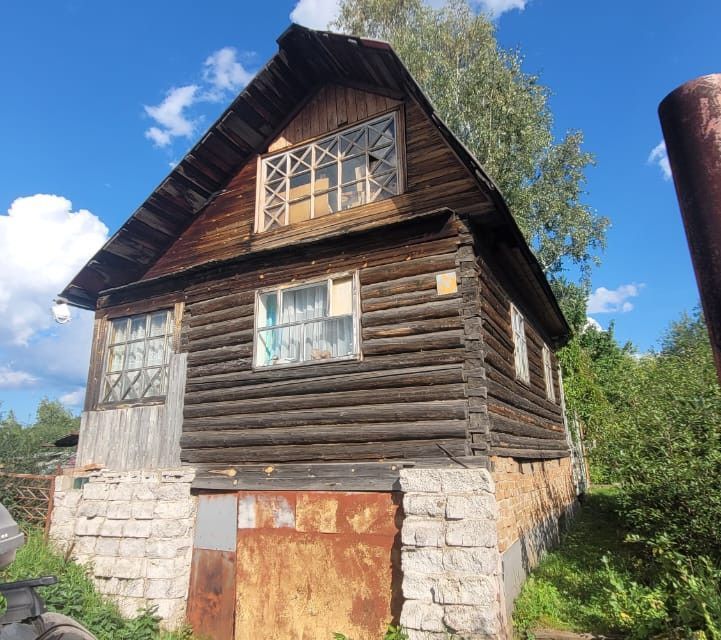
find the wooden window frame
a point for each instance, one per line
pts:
(357, 354)
(548, 374)
(520, 346)
(399, 122)
(99, 355)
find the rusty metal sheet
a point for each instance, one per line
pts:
(211, 596)
(311, 563)
(691, 122)
(215, 523)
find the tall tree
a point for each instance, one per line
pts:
(501, 113)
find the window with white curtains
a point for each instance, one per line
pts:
(520, 350)
(307, 323)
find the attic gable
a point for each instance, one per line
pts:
(333, 106)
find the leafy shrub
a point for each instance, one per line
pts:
(668, 448)
(74, 595)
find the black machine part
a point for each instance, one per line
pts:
(49, 626)
(22, 601)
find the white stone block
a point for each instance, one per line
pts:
(166, 568)
(170, 528)
(112, 528)
(422, 532)
(163, 588)
(128, 568)
(129, 607)
(71, 499)
(132, 548)
(173, 492)
(174, 509)
(475, 560)
(418, 586)
(471, 590)
(423, 616)
(119, 510)
(85, 545)
(95, 491)
(466, 481)
(121, 492)
(472, 533)
(107, 546)
(171, 610)
(162, 548)
(472, 506)
(417, 504)
(134, 587)
(88, 526)
(423, 560)
(144, 510)
(137, 528)
(465, 620)
(420, 480)
(92, 508)
(144, 491)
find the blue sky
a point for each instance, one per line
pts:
(77, 77)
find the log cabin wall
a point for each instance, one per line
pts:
(524, 423)
(403, 399)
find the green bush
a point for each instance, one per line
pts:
(668, 449)
(74, 595)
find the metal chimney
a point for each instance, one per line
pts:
(691, 122)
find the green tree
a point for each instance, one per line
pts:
(500, 112)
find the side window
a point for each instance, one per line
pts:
(307, 323)
(548, 374)
(355, 166)
(136, 357)
(520, 351)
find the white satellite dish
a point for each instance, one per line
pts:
(61, 312)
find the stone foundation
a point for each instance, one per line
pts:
(135, 530)
(452, 581)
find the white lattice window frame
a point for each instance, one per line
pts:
(520, 347)
(159, 369)
(377, 185)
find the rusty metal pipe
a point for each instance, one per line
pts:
(691, 122)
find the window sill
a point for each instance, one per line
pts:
(321, 361)
(130, 404)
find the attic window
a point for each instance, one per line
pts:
(355, 166)
(520, 350)
(307, 323)
(548, 374)
(136, 362)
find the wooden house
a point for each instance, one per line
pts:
(326, 290)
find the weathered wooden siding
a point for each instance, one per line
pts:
(434, 178)
(329, 109)
(524, 423)
(403, 399)
(140, 437)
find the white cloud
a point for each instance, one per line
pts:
(73, 398)
(44, 243)
(495, 8)
(171, 117)
(604, 300)
(224, 73)
(659, 156)
(13, 379)
(592, 323)
(315, 14)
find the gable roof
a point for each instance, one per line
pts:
(305, 61)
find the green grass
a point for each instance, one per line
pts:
(571, 587)
(75, 596)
